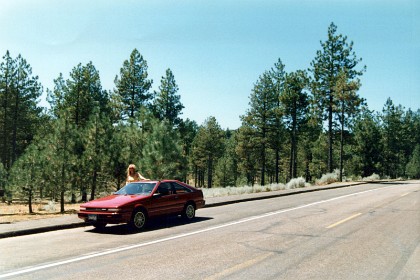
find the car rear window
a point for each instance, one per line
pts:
(181, 189)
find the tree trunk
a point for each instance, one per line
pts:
(5, 150)
(330, 135)
(63, 169)
(210, 172)
(30, 200)
(263, 159)
(94, 179)
(341, 143)
(15, 127)
(277, 164)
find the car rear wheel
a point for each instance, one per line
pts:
(138, 219)
(189, 212)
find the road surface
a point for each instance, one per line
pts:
(362, 232)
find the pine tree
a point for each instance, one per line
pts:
(247, 152)
(392, 124)
(19, 112)
(347, 107)
(261, 117)
(96, 156)
(163, 153)
(207, 149)
(77, 97)
(132, 87)
(167, 104)
(3, 180)
(187, 131)
(226, 170)
(278, 74)
(23, 174)
(368, 148)
(61, 157)
(409, 135)
(337, 55)
(7, 73)
(318, 165)
(295, 103)
(413, 166)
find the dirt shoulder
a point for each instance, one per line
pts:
(17, 212)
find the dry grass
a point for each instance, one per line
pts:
(16, 212)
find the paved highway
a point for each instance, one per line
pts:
(361, 232)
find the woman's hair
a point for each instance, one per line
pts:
(128, 169)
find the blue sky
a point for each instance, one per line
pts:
(216, 49)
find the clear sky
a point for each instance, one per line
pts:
(217, 49)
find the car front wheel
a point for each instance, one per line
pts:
(138, 219)
(99, 225)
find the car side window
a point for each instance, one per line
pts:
(164, 189)
(179, 189)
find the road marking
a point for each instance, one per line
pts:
(382, 204)
(344, 220)
(135, 246)
(387, 202)
(223, 274)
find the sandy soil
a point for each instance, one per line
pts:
(16, 212)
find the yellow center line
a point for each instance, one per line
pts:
(345, 220)
(239, 267)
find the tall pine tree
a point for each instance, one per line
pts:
(347, 107)
(167, 104)
(335, 56)
(207, 149)
(261, 117)
(295, 103)
(132, 87)
(19, 111)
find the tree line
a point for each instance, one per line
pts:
(304, 123)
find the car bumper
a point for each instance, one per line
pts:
(109, 218)
(200, 203)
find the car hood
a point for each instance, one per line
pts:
(115, 200)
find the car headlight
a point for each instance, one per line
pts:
(113, 209)
(82, 208)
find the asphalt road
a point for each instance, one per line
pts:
(362, 232)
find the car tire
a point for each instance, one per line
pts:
(138, 219)
(189, 212)
(99, 225)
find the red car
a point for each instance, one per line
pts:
(137, 202)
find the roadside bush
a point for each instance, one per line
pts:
(372, 177)
(328, 178)
(217, 192)
(50, 207)
(296, 183)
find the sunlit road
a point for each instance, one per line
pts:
(362, 232)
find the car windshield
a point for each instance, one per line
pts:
(136, 188)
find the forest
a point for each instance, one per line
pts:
(304, 123)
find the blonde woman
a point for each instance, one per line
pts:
(133, 175)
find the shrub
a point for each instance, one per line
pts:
(328, 178)
(51, 207)
(372, 177)
(296, 183)
(217, 192)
